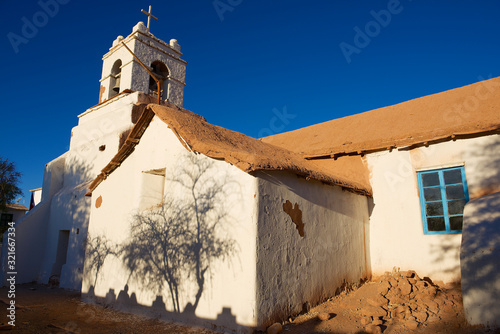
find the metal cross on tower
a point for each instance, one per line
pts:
(148, 13)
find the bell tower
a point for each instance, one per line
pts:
(122, 72)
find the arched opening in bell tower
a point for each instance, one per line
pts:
(160, 70)
(115, 76)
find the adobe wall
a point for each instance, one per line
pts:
(32, 229)
(479, 256)
(396, 231)
(228, 297)
(312, 240)
(93, 143)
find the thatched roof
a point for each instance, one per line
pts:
(458, 113)
(246, 153)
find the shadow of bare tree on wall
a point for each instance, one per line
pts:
(98, 248)
(479, 256)
(65, 183)
(487, 160)
(157, 250)
(482, 163)
(180, 241)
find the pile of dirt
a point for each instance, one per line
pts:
(409, 299)
(397, 302)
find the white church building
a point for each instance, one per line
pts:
(154, 210)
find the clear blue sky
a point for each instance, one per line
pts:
(247, 60)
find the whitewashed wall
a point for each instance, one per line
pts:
(31, 229)
(100, 126)
(16, 214)
(63, 205)
(396, 231)
(294, 269)
(93, 143)
(479, 261)
(69, 211)
(232, 287)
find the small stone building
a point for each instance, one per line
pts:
(12, 213)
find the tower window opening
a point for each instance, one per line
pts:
(115, 78)
(161, 71)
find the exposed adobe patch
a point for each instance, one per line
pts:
(98, 202)
(123, 137)
(296, 214)
(101, 93)
(137, 111)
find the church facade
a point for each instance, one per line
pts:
(155, 210)
(62, 215)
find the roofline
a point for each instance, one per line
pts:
(403, 144)
(134, 36)
(470, 128)
(9, 206)
(127, 148)
(140, 127)
(123, 93)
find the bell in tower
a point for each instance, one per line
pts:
(161, 72)
(115, 78)
(116, 87)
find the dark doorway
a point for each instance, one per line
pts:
(62, 251)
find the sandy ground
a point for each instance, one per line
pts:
(398, 302)
(394, 303)
(44, 309)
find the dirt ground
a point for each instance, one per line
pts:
(399, 302)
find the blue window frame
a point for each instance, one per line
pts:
(443, 194)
